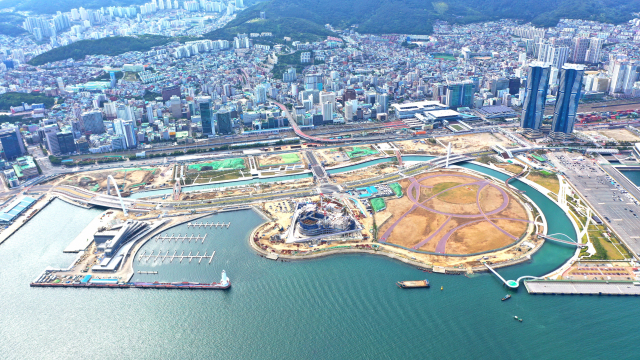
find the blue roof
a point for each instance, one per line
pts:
(16, 208)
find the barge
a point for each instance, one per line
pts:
(411, 284)
(224, 284)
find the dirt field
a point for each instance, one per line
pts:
(476, 142)
(366, 173)
(279, 159)
(620, 135)
(412, 146)
(97, 180)
(422, 224)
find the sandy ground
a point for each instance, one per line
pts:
(257, 188)
(620, 135)
(366, 173)
(476, 142)
(422, 146)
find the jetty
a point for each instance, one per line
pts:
(179, 237)
(209, 225)
(174, 256)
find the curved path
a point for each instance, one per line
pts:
(413, 193)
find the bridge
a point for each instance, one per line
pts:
(91, 198)
(442, 160)
(573, 243)
(513, 284)
(526, 167)
(318, 170)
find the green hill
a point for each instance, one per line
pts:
(249, 22)
(11, 24)
(108, 46)
(417, 17)
(7, 100)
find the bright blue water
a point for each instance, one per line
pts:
(340, 307)
(633, 175)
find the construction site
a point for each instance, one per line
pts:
(127, 179)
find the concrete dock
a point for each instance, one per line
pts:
(550, 287)
(85, 237)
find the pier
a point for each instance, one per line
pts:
(547, 287)
(510, 283)
(174, 256)
(175, 238)
(209, 224)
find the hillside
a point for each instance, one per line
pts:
(108, 46)
(11, 24)
(249, 22)
(417, 17)
(7, 100)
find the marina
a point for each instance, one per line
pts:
(209, 225)
(162, 258)
(182, 238)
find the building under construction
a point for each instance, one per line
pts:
(322, 221)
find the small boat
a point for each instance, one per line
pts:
(507, 297)
(515, 317)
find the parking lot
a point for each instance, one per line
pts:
(608, 197)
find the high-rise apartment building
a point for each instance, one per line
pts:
(594, 51)
(579, 50)
(564, 114)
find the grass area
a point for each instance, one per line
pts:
(513, 168)
(235, 163)
(397, 189)
(378, 204)
(548, 180)
(443, 56)
(357, 152)
(210, 176)
(440, 187)
(461, 195)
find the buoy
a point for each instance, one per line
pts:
(441, 288)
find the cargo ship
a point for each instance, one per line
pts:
(411, 284)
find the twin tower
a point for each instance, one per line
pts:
(566, 106)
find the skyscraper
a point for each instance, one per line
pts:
(126, 129)
(206, 114)
(224, 122)
(535, 97)
(92, 121)
(564, 113)
(460, 94)
(12, 144)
